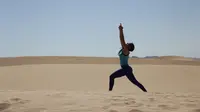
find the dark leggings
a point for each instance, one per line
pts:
(125, 70)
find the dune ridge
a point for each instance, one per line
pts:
(164, 60)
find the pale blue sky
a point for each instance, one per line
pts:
(90, 27)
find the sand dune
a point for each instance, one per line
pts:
(164, 60)
(71, 85)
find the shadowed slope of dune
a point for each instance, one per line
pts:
(93, 60)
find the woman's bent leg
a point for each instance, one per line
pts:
(132, 78)
(116, 74)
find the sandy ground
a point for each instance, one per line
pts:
(54, 87)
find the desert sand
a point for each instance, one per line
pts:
(80, 84)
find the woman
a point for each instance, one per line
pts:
(125, 68)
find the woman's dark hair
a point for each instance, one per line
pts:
(131, 47)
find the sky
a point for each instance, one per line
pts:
(90, 27)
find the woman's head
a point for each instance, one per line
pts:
(131, 47)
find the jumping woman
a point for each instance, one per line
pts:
(125, 70)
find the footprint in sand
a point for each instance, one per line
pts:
(105, 107)
(190, 105)
(70, 103)
(4, 106)
(113, 111)
(137, 105)
(168, 107)
(36, 110)
(57, 95)
(117, 96)
(196, 110)
(135, 110)
(125, 103)
(190, 100)
(115, 99)
(18, 101)
(131, 102)
(152, 99)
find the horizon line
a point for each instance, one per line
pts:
(153, 56)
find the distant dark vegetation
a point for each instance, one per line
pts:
(146, 57)
(149, 57)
